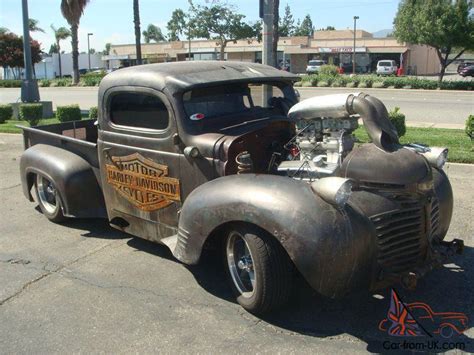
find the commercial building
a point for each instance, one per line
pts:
(48, 67)
(335, 47)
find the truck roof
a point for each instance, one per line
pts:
(183, 76)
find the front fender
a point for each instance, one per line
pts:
(332, 248)
(73, 177)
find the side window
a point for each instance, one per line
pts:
(138, 110)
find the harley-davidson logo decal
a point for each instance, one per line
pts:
(143, 182)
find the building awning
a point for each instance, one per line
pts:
(115, 57)
(387, 49)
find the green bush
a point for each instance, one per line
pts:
(340, 81)
(323, 84)
(328, 70)
(6, 112)
(44, 83)
(457, 85)
(378, 85)
(32, 113)
(61, 82)
(398, 120)
(470, 127)
(298, 84)
(9, 83)
(306, 84)
(68, 113)
(93, 112)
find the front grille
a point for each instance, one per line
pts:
(434, 215)
(400, 235)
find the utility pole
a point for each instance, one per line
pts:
(29, 87)
(354, 50)
(266, 12)
(89, 50)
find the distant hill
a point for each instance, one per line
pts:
(382, 33)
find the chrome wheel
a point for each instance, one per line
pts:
(47, 194)
(241, 264)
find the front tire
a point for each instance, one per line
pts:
(49, 199)
(259, 270)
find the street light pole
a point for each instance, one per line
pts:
(29, 87)
(266, 12)
(89, 50)
(354, 49)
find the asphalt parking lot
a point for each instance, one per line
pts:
(85, 287)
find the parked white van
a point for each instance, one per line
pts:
(386, 67)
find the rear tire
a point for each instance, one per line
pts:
(49, 199)
(259, 270)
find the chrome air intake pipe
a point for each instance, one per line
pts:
(371, 110)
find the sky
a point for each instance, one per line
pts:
(112, 20)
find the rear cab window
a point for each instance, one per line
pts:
(138, 110)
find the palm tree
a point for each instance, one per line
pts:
(33, 25)
(72, 11)
(136, 20)
(60, 34)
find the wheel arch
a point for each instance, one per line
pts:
(72, 175)
(312, 232)
(217, 235)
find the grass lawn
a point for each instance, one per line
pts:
(461, 149)
(9, 125)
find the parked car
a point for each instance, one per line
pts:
(467, 71)
(314, 66)
(463, 65)
(183, 155)
(386, 67)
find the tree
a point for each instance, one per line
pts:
(136, 21)
(60, 34)
(287, 23)
(153, 33)
(72, 11)
(305, 28)
(33, 25)
(328, 28)
(445, 25)
(178, 25)
(106, 51)
(92, 51)
(220, 22)
(53, 49)
(4, 30)
(11, 51)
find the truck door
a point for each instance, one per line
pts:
(139, 162)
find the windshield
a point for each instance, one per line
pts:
(221, 106)
(316, 62)
(385, 64)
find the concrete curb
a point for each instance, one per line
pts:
(385, 89)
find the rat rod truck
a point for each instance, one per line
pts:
(183, 155)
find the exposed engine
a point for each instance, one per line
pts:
(320, 145)
(324, 137)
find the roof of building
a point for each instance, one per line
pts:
(182, 76)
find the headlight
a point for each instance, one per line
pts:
(436, 156)
(335, 190)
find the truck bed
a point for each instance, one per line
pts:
(79, 137)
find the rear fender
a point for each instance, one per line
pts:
(73, 177)
(331, 248)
